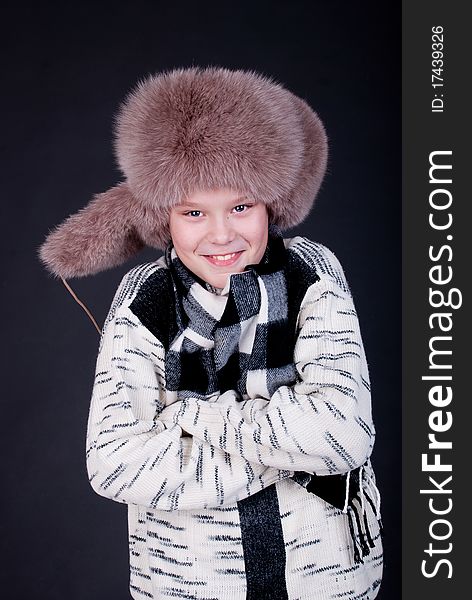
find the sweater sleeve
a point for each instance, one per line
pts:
(323, 423)
(131, 455)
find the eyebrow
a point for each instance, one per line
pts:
(189, 204)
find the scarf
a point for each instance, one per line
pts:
(231, 339)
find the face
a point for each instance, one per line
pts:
(219, 232)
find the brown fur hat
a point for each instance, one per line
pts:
(193, 130)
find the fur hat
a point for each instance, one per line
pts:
(193, 130)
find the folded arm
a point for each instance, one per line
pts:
(322, 424)
(132, 456)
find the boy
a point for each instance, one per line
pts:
(231, 405)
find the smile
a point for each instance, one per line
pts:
(223, 260)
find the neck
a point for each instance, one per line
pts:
(212, 288)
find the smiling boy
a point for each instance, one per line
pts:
(231, 405)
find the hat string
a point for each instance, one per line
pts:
(69, 289)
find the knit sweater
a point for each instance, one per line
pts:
(217, 489)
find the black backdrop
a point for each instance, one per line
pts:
(66, 69)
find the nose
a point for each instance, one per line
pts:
(221, 230)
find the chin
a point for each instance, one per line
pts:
(218, 282)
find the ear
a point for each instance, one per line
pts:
(100, 236)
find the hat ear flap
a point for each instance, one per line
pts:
(298, 203)
(100, 236)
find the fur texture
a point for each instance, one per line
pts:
(194, 130)
(98, 237)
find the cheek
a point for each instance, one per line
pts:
(180, 234)
(258, 240)
(262, 220)
(260, 231)
(173, 229)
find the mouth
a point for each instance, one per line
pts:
(223, 260)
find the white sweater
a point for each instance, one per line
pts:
(191, 532)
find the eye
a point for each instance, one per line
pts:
(241, 207)
(193, 213)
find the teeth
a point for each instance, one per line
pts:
(223, 257)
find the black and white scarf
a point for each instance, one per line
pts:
(243, 339)
(231, 340)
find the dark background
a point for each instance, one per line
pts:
(66, 69)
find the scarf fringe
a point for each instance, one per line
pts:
(357, 517)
